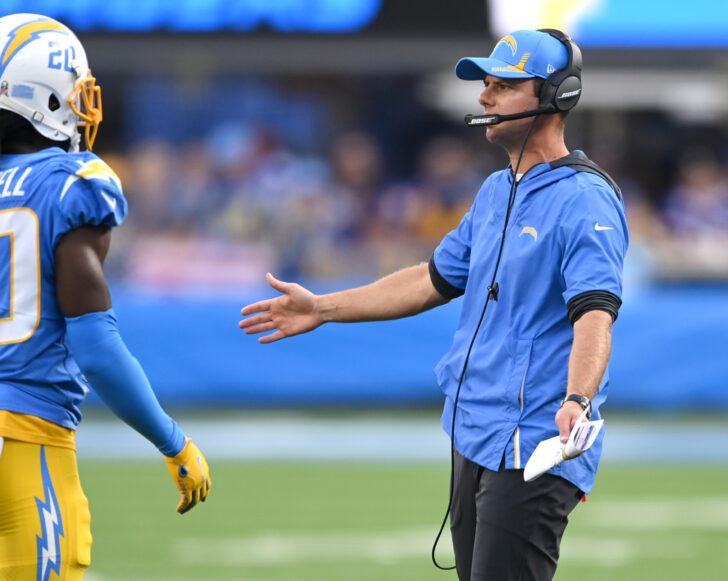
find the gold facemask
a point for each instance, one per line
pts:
(88, 108)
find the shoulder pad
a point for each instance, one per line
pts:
(90, 193)
(89, 167)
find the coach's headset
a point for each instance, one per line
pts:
(562, 88)
(560, 92)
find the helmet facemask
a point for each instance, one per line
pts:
(85, 102)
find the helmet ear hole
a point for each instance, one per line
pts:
(53, 103)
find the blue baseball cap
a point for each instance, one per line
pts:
(523, 54)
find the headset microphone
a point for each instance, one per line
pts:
(494, 119)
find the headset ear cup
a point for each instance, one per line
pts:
(567, 93)
(561, 90)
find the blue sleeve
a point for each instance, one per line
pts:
(89, 194)
(452, 256)
(594, 237)
(118, 378)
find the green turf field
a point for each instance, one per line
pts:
(357, 522)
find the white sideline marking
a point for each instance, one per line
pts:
(271, 548)
(600, 552)
(709, 513)
(618, 552)
(90, 576)
(627, 518)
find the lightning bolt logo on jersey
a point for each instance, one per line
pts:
(43, 196)
(93, 169)
(51, 525)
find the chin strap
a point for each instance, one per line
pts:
(75, 145)
(37, 117)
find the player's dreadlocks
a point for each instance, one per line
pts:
(17, 135)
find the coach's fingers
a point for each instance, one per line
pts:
(279, 285)
(272, 337)
(258, 307)
(263, 317)
(564, 431)
(261, 328)
(567, 417)
(565, 420)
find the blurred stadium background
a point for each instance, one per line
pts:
(323, 141)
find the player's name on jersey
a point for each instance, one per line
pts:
(11, 183)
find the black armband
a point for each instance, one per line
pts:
(447, 290)
(593, 301)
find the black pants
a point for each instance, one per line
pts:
(505, 529)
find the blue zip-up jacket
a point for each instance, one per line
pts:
(567, 235)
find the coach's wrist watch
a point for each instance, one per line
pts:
(582, 400)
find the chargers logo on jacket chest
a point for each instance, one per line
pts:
(530, 231)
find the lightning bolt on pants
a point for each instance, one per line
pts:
(45, 525)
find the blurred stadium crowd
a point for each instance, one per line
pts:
(221, 210)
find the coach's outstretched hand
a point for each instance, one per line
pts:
(291, 314)
(191, 474)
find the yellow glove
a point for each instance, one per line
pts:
(191, 474)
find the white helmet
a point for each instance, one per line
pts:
(44, 77)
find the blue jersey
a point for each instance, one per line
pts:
(567, 235)
(43, 196)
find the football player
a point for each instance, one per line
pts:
(58, 331)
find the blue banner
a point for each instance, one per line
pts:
(669, 347)
(309, 16)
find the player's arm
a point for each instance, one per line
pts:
(587, 363)
(114, 373)
(404, 293)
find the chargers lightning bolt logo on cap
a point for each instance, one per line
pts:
(51, 526)
(24, 34)
(510, 41)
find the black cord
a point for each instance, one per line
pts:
(492, 293)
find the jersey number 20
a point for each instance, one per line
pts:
(22, 307)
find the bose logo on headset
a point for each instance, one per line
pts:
(569, 94)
